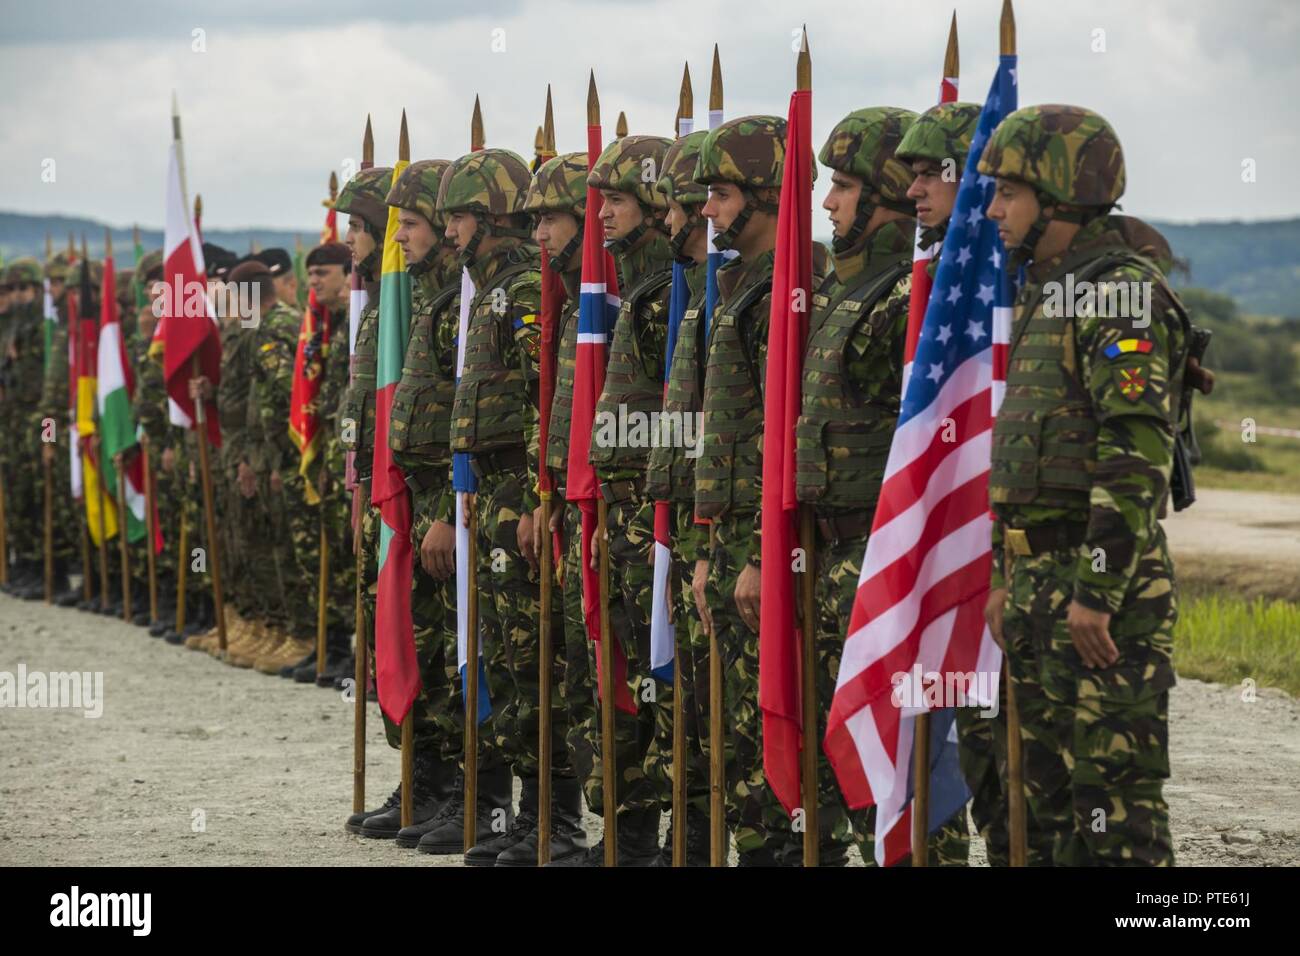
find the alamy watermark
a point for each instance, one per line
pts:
(64, 690)
(636, 429)
(1105, 300)
(241, 300)
(931, 690)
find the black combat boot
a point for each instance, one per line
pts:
(430, 778)
(522, 831)
(354, 822)
(568, 838)
(638, 842)
(308, 660)
(202, 622)
(697, 841)
(437, 787)
(339, 663)
(492, 817)
(22, 575)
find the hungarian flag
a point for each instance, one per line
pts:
(187, 328)
(598, 307)
(308, 373)
(114, 387)
(87, 370)
(921, 257)
(779, 640)
(397, 672)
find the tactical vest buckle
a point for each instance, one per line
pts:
(1017, 541)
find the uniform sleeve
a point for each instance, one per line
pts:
(525, 352)
(997, 579)
(54, 382)
(275, 358)
(760, 312)
(1127, 369)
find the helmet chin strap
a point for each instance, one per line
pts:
(470, 252)
(1023, 254)
(560, 262)
(677, 243)
(625, 244)
(726, 238)
(932, 235)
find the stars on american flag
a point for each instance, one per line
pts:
(985, 294)
(963, 256)
(945, 333)
(974, 330)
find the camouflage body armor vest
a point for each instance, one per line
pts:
(729, 470)
(670, 473)
(489, 410)
(420, 427)
(843, 436)
(566, 364)
(359, 403)
(1045, 436)
(628, 382)
(236, 378)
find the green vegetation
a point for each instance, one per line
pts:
(1227, 640)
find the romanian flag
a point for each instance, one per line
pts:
(397, 673)
(114, 387)
(308, 373)
(598, 306)
(779, 640)
(87, 370)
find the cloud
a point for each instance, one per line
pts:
(280, 96)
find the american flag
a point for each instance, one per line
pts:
(925, 575)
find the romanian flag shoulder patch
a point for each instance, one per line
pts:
(525, 320)
(1126, 347)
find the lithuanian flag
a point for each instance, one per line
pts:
(397, 673)
(87, 378)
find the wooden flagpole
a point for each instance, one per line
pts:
(361, 673)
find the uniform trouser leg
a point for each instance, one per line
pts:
(65, 528)
(579, 684)
(509, 593)
(630, 526)
(25, 479)
(439, 709)
(982, 750)
(1095, 741)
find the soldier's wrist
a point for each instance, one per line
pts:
(1095, 599)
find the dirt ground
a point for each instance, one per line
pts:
(265, 765)
(1245, 542)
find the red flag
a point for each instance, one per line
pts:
(309, 372)
(779, 639)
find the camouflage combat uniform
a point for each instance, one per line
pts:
(24, 361)
(1082, 452)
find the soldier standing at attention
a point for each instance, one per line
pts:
(1082, 591)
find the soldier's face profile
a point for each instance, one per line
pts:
(620, 213)
(933, 194)
(554, 230)
(415, 235)
(357, 239)
(726, 200)
(327, 281)
(1014, 208)
(460, 229)
(842, 201)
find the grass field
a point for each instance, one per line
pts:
(1228, 639)
(1271, 462)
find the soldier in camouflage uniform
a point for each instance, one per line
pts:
(557, 198)
(1083, 595)
(23, 362)
(853, 371)
(741, 162)
(418, 436)
(936, 147)
(495, 410)
(670, 476)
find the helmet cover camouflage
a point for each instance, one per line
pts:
(941, 133)
(365, 195)
(864, 144)
(677, 181)
(489, 181)
(416, 189)
(748, 151)
(559, 185)
(58, 266)
(150, 268)
(24, 271)
(1068, 153)
(632, 165)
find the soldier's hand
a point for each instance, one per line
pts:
(1201, 379)
(993, 614)
(438, 551)
(246, 478)
(168, 459)
(698, 580)
(526, 539)
(1090, 631)
(538, 531)
(200, 388)
(277, 484)
(596, 540)
(470, 501)
(749, 588)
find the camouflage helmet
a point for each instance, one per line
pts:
(678, 185)
(1068, 154)
(559, 185)
(487, 182)
(748, 151)
(24, 271)
(416, 189)
(941, 133)
(632, 165)
(150, 268)
(677, 179)
(57, 267)
(864, 144)
(365, 195)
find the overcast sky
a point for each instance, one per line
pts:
(278, 93)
